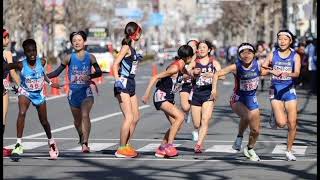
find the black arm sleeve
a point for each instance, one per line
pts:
(10, 66)
(56, 72)
(97, 72)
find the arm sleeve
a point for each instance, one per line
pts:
(56, 72)
(97, 72)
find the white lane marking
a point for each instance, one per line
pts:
(281, 149)
(152, 147)
(29, 145)
(55, 97)
(102, 139)
(95, 146)
(168, 159)
(92, 121)
(221, 148)
(226, 82)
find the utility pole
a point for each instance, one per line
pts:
(284, 7)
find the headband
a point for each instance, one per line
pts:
(285, 34)
(245, 47)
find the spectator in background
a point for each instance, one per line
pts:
(312, 64)
(303, 78)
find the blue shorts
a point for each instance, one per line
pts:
(186, 87)
(199, 96)
(250, 102)
(36, 97)
(78, 95)
(160, 97)
(282, 92)
(130, 87)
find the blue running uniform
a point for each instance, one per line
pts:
(32, 81)
(246, 84)
(202, 86)
(282, 88)
(127, 74)
(79, 88)
(167, 87)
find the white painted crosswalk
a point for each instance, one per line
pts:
(152, 146)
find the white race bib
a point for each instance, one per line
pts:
(34, 84)
(134, 67)
(124, 81)
(159, 96)
(5, 84)
(249, 85)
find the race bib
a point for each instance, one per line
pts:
(282, 69)
(202, 81)
(22, 91)
(293, 91)
(5, 84)
(134, 67)
(78, 79)
(159, 96)
(124, 81)
(89, 92)
(249, 85)
(34, 84)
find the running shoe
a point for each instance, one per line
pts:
(197, 148)
(160, 152)
(272, 121)
(170, 150)
(290, 156)
(18, 150)
(195, 135)
(251, 154)
(237, 144)
(6, 152)
(132, 149)
(85, 148)
(124, 152)
(54, 152)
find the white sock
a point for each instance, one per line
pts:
(19, 140)
(51, 141)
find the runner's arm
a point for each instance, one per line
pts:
(62, 66)
(96, 67)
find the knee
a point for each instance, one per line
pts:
(292, 126)
(22, 113)
(255, 132)
(85, 116)
(281, 124)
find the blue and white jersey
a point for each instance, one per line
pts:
(247, 79)
(32, 79)
(78, 70)
(129, 65)
(284, 65)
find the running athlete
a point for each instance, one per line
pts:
(7, 58)
(32, 75)
(186, 89)
(286, 64)
(80, 96)
(124, 70)
(243, 102)
(202, 97)
(168, 83)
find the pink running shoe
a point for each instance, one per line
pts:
(198, 149)
(54, 152)
(170, 150)
(160, 152)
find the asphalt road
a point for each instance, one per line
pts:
(218, 162)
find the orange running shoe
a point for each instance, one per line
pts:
(131, 149)
(125, 152)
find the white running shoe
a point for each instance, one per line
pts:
(237, 144)
(290, 156)
(272, 121)
(250, 154)
(195, 135)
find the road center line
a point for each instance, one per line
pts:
(92, 121)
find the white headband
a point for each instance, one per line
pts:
(285, 34)
(245, 47)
